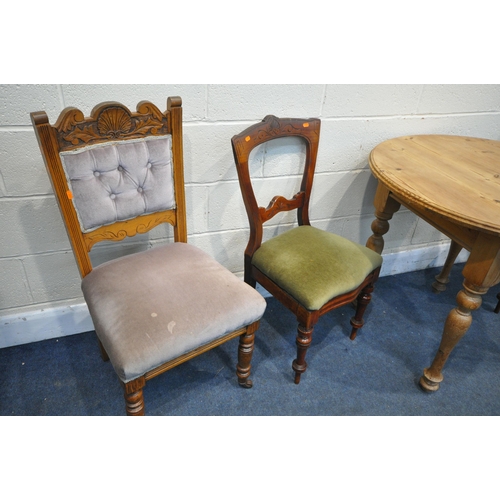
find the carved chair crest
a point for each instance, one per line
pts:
(108, 121)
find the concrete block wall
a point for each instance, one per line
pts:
(40, 293)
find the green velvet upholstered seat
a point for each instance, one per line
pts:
(315, 266)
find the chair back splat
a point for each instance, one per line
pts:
(90, 193)
(269, 129)
(308, 270)
(119, 173)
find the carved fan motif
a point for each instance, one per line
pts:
(114, 122)
(111, 122)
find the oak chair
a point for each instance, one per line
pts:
(310, 271)
(118, 173)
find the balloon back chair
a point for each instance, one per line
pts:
(309, 270)
(118, 173)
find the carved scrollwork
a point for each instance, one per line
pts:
(109, 121)
(106, 235)
(120, 230)
(69, 119)
(147, 108)
(272, 127)
(275, 127)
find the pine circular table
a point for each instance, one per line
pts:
(453, 183)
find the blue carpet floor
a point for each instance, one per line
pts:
(376, 374)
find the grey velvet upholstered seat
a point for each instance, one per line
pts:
(118, 173)
(154, 306)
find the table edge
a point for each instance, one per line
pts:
(422, 202)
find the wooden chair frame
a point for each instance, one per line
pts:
(308, 130)
(110, 121)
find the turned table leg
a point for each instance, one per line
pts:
(442, 278)
(385, 207)
(457, 323)
(481, 272)
(379, 226)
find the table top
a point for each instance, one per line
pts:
(454, 176)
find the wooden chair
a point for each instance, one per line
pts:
(310, 271)
(119, 173)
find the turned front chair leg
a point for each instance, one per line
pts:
(443, 277)
(134, 398)
(457, 323)
(362, 302)
(304, 337)
(245, 352)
